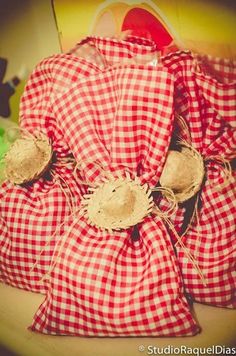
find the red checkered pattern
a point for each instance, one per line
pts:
(29, 217)
(223, 70)
(31, 214)
(124, 288)
(209, 109)
(120, 116)
(212, 242)
(112, 51)
(217, 80)
(106, 117)
(104, 284)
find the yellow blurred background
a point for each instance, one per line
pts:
(28, 33)
(203, 26)
(32, 30)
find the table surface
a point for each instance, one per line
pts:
(17, 308)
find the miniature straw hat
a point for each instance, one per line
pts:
(183, 172)
(27, 158)
(118, 203)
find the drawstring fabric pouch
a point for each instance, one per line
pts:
(114, 271)
(34, 209)
(205, 97)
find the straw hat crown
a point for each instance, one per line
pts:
(183, 172)
(27, 159)
(118, 203)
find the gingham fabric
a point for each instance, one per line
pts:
(31, 214)
(208, 106)
(103, 119)
(105, 52)
(105, 284)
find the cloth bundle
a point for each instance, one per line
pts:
(110, 108)
(206, 98)
(111, 285)
(32, 213)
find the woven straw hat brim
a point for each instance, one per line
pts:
(191, 183)
(20, 168)
(138, 205)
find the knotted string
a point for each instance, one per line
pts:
(74, 210)
(186, 251)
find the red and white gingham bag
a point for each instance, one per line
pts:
(205, 96)
(30, 214)
(106, 284)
